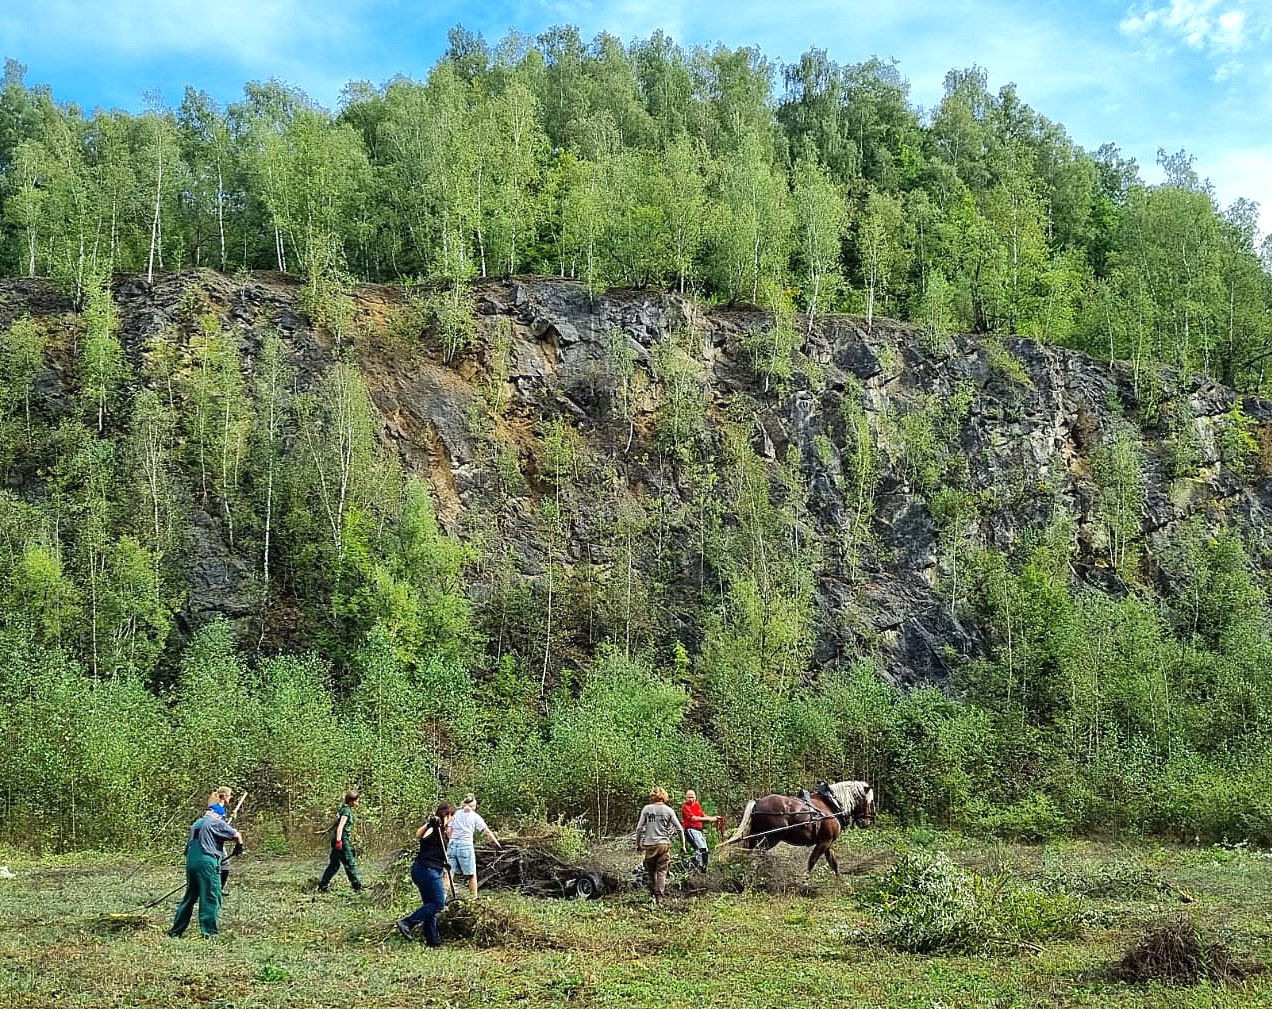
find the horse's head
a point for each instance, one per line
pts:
(856, 798)
(864, 814)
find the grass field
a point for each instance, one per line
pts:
(72, 934)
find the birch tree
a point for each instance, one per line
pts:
(821, 223)
(337, 438)
(880, 246)
(102, 367)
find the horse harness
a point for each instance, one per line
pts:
(836, 809)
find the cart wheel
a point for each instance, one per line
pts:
(588, 887)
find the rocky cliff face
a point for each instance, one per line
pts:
(911, 452)
(1020, 426)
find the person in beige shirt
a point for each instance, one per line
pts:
(657, 827)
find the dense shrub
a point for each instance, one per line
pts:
(928, 904)
(85, 761)
(622, 734)
(1034, 818)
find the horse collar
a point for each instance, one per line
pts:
(832, 801)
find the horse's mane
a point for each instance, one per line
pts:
(852, 794)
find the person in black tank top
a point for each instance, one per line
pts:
(426, 873)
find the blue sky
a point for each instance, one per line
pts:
(1144, 74)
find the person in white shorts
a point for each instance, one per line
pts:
(461, 855)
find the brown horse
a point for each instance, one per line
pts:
(814, 821)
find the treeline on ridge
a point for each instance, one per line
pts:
(815, 186)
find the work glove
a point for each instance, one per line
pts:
(237, 849)
(339, 845)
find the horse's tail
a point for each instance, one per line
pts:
(744, 825)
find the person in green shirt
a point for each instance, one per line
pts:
(342, 847)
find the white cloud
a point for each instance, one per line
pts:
(1209, 26)
(1229, 34)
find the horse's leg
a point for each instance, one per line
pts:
(832, 860)
(819, 849)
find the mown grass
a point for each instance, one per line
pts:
(72, 933)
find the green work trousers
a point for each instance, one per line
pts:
(203, 886)
(343, 857)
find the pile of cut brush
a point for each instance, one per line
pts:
(1174, 952)
(480, 922)
(538, 872)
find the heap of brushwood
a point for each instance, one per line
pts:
(1174, 952)
(538, 872)
(477, 921)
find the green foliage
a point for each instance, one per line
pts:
(102, 368)
(1184, 449)
(682, 406)
(327, 296)
(1216, 595)
(1034, 818)
(929, 904)
(1124, 879)
(41, 593)
(1002, 360)
(21, 359)
(100, 751)
(882, 248)
(453, 312)
(619, 737)
(940, 756)
(1235, 441)
(772, 348)
(1118, 467)
(925, 433)
(646, 163)
(217, 715)
(304, 746)
(1221, 797)
(613, 164)
(821, 222)
(398, 739)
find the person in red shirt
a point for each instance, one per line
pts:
(695, 821)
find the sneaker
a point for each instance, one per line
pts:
(404, 929)
(321, 888)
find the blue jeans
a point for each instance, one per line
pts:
(433, 896)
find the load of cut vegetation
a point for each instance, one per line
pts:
(929, 904)
(1108, 880)
(539, 872)
(1174, 952)
(116, 923)
(563, 838)
(771, 872)
(484, 923)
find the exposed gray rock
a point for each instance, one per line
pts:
(1016, 426)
